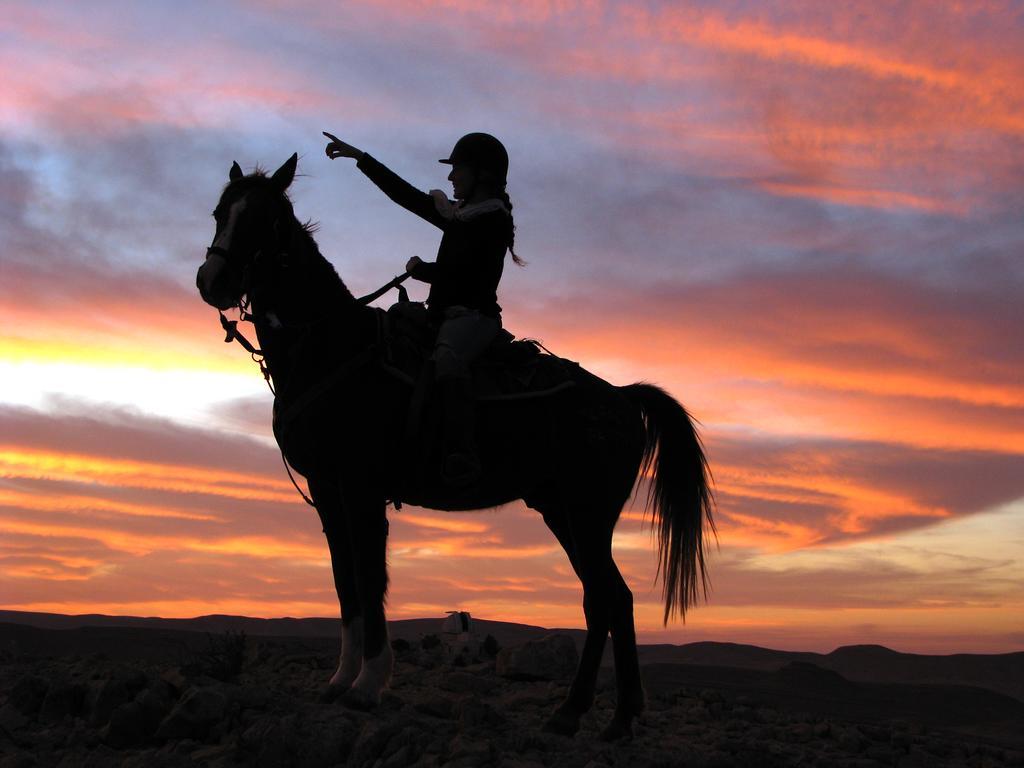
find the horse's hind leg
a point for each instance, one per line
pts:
(629, 691)
(587, 542)
(336, 528)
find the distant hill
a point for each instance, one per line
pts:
(1002, 673)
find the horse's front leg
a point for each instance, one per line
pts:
(368, 533)
(327, 498)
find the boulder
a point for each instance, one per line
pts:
(195, 712)
(437, 706)
(63, 698)
(27, 694)
(155, 702)
(379, 740)
(474, 713)
(127, 726)
(264, 740)
(465, 682)
(552, 657)
(113, 692)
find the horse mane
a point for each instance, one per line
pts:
(329, 282)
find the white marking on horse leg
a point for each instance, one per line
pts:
(376, 673)
(351, 653)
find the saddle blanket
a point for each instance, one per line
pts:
(507, 370)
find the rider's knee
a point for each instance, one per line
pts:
(448, 364)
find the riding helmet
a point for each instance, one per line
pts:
(481, 151)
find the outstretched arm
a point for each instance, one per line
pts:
(390, 183)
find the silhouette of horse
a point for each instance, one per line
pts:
(574, 456)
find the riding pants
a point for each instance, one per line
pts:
(463, 336)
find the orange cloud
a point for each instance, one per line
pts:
(123, 473)
(94, 504)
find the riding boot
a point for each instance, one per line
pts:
(413, 447)
(461, 463)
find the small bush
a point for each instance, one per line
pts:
(430, 641)
(224, 657)
(400, 645)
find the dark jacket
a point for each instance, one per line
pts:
(472, 252)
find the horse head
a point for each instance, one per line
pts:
(254, 219)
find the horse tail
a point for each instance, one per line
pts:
(680, 492)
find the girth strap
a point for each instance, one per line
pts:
(318, 390)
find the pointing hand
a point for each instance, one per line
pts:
(338, 148)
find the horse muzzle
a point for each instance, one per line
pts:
(214, 281)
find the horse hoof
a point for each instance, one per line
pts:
(354, 698)
(617, 730)
(333, 693)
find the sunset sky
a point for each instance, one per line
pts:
(805, 220)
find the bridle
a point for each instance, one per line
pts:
(231, 333)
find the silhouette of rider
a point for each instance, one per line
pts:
(477, 230)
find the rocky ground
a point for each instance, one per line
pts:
(249, 701)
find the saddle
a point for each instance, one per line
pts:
(507, 370)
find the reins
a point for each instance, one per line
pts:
(231, 333)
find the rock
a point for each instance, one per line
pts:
(437, 706)
(11, 720)
(101, 757)
(208, 755)
(525, 697)
(254, 697)
(265, 740)
(464, 682)
(112, 693)
(27, 694)
(850, 740)
(18, 760)
(711, 696)
(916, 758)
(470, 753)
(376, 739)
(195, 712)
(800, 733)
(183, 748)
(81, 735)
(330, 743)
(175, 679)
(900, 738)
(127, 726)
(390, 702)
(697, 713)
(553, 657)
(403, 757)
(155, 702)
(63, 698)
(474, 713)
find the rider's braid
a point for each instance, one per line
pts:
(503, 196)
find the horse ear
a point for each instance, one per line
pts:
(283, 176)
(236, 171)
